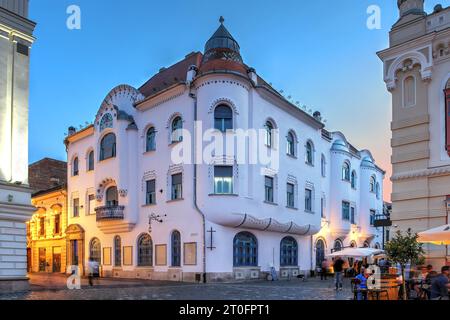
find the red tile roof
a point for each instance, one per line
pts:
(172, 75)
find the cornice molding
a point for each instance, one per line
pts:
(427, 173)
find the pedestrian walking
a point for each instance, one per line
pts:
(93, 270)
(338, 267)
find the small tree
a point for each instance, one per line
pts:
(404, 249)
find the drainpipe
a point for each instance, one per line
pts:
(311, 254)
(194, 97)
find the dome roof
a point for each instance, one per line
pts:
(222, 46)
(339, 145)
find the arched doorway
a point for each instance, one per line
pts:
(320, 252)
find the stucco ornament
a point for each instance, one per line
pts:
(123, 193)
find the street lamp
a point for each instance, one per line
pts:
(154, 217)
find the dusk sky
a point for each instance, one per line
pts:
(319, 52)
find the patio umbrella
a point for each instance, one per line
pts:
(356, 252)
(438, 236)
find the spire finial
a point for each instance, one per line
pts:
(221, 20)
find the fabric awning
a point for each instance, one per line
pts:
(438, 236)
(356, 252)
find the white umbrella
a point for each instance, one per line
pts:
(439, 235)
(356, 252)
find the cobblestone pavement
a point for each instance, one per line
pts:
(312, 289)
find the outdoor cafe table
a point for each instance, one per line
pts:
(388, 290)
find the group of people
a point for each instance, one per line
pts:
(425, 283)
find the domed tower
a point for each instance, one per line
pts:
(415, 7)
(222, 52)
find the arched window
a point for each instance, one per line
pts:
(245, 250)
(145, 251)
(269, 133)
(112, 199)
(309, 153)
(176, 249)
(75, 171)
(117, 251)
(366, 244)
(90, 162)
(409, 92)
(338, 245)
(223, 118)
(353, 180)
(372, 184)
(320, 252)
(95, 250)
(353, 244)
(323, 166)
(108, 147)
(177, 130)
(288, 252)
(106, 122)
(377, 246)
(290, 144)
(151, 140)
(346, 171)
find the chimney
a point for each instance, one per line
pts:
(191, 74)
(253, 76)
(317, 116)
(71, 131)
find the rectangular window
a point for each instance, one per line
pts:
(42, 227)
(91, 202)
(308, 200)
(352, 215)
(177, 189)
(74, 252)
(290, 195)
(322, 206)
(58, 224)
(269, 189)
(76, 207)
(223, 180)
(372, 217)
(345, 210)
(150, 197)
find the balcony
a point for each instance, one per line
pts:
(109, 213)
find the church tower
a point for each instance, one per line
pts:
(16, 38)
(417, 73)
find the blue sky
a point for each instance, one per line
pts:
(320, 52)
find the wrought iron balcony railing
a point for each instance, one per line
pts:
(109, 213)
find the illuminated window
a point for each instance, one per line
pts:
(95, 250)
(223, 180)
(145, 251)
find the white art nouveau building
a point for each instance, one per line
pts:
(219, 219)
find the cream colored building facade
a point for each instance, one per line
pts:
(16, 38)
(46, 232)
(416, 72)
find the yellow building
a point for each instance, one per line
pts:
(46, 230)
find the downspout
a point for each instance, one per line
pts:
(194, 97)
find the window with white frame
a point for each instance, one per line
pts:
(177, 186)
(290, 195)
(290, 144)
(91, 204)
(223, 179)
(346, 171)
(308, 200)
(269, 134)
(223, 118)
(177, 130)
(268, 186)
(150, 194)
(150, 143)
(309, 153)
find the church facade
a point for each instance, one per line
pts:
(16, 38)
(417, 74)
(142, 204)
